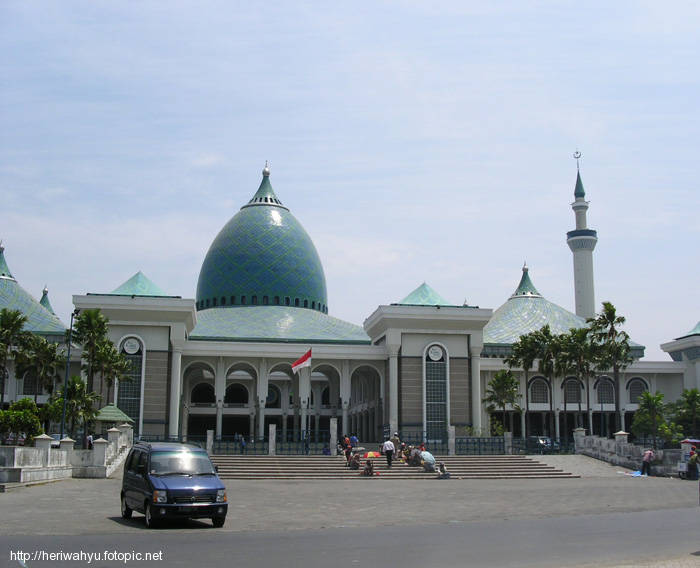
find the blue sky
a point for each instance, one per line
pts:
(413, 142)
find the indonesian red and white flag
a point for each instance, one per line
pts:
(301, 362)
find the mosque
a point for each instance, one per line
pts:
(222, 361)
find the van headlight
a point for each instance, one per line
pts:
(221, 496)
(160, 496)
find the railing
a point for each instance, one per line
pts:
(231, 445)
(480, 445)
(436, 443)
(296, 442)
(550, 446)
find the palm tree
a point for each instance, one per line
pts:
(90, 329)
(614, 347)
(13, 337)
(578, 357)
(547, 349)
(523, 355)
(80, 403)
(42, 360)
(113, 366)
(502, 390)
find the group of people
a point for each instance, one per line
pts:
(393, 450)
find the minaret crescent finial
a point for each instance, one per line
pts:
(577, 157)
(266, 169)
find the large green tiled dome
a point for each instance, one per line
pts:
(262, 256)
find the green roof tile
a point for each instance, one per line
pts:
(694, 331)
(139, 285)
(4, 269)
(424, 295)
(110, 413)
(274, 324)
(526, 287)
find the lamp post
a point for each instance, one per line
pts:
(65, 380)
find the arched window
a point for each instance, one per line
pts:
(203, 393)
(236, 394)
(539, 392)
(636, 388)
(435, 392)
(129, 392)
(274, 397)
(326, 397)
(30, 384)
(572, 391)
(606, 392)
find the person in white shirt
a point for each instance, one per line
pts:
(388, 449)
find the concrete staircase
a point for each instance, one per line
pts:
(333, 467)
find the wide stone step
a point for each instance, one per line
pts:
(333, 467)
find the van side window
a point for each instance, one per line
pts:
(143, 459)
(133, 461)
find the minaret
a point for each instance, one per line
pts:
(582, 241)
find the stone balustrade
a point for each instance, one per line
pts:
(620, 452)
(21, 464)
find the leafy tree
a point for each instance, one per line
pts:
(23, 418)
(502, 390)
(13, 337)
(51, 412)
(650, 416)
(688, 411)
(523, 355)
(614, 347)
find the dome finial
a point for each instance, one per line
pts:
(577, 157)
(46, 289)
(525, 268)
(266, 169)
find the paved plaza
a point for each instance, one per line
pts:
(90, 508)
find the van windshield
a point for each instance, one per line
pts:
(186, 463)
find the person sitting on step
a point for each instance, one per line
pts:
(354, 462)
(368, 471)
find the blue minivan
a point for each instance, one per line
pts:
(169, 480)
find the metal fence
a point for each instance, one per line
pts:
(480, 445)
(533, 446)
(297, 442)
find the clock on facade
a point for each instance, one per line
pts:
(435, 353)
(131, 346)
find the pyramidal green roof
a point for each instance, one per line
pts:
(694, 331)
(265, 194)
(45, 300)
(13, 297)
(579, 191)
(110, 413)
(139, 285)
(527, 310)
(526, 287)
(4, 269)
(424, 295)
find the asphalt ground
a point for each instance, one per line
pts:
(87, 510)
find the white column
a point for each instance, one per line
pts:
(345, 394)
(557, 434)
(220, 393)
(175, 391)
(394, 388)
(590, 421)
(475, 352)
(262, 396)
(334, 434)
(522, 424)
(304, 395)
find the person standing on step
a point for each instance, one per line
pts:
(646, 461)
(354, 440)
(397, 445)
(388, 449)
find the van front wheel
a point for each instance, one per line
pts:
(150, 521)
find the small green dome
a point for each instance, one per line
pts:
(262, 256)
